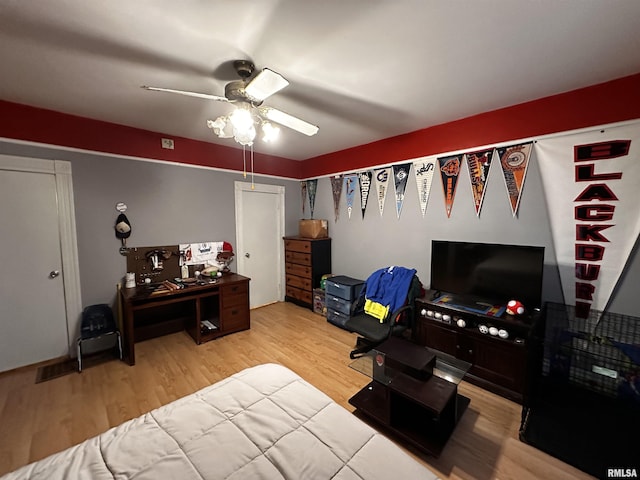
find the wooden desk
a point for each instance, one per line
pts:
(146, 314)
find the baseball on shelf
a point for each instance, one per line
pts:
(515, 307)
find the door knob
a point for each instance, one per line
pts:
(247, 255)
(54, 273)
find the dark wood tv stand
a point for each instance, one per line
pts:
(408, 394)
(500, 365)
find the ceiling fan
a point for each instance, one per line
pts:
(247, 94)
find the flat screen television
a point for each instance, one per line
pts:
(488, 271)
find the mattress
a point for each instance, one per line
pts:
(263, 422)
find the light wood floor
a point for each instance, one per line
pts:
(39, 419)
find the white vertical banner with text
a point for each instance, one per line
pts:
(591, 186)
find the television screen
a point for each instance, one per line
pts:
(488, 271)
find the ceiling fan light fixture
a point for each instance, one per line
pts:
(241, 118)
(270, 133)
(221, 127)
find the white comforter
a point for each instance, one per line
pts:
(264, 422)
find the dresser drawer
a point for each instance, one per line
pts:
(299, 282)
(298, 270)
(299, 294)
(297, 257)
(298, 246)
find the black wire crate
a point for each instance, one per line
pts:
(600, 353)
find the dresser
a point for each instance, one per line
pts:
(306, 261)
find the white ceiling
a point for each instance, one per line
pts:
(361, 70)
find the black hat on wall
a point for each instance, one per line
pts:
(123, 227)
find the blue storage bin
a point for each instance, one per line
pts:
(343, 287)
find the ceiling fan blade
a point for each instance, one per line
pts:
(265, 84)
(188, 94)
(289, 121)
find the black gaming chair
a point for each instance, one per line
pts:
(372, 332)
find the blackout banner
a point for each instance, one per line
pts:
(350, 182)
(336, 191)
(423, 170)
(400, 176)
(312, 187)
(590, 182)
(382, 176)
(449, 173)
(514, 161)
(365, 188)
(479, 164)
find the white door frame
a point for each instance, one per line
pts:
(68, 236)
(278, 190)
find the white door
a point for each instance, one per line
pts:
(259, 232)
(39, 311)
(32, 303)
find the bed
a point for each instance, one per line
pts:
(263, 422)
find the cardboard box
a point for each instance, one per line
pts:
(313, 228)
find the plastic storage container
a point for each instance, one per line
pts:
(344, 287)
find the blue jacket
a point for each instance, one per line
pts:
(389, 286)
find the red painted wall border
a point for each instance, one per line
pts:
(610, 102)
(23, 122)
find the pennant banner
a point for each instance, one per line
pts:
(423, 170)
(365, 187)
(590, 182)
(303, 191)
(336, 190)
(350, 182)
(400, 176)
(514, 161)
(449, 172)
(312, 186)
(382, 176)
(478, 164)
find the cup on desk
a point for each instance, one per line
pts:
(129, 280)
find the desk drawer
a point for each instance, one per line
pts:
(297, 246)
(297, 257)
(235, 318)
(298, 270)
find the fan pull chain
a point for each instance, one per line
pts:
(244, 161)
(253, 187)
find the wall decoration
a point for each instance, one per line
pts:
(423, 170)
(514, 160)
(303, 191)
(479, 164)
(590, 181)
(312, 187)
(365, 187)
(400, 176)
(381, 176)
(350, 182)
(336, 190)
(449, 172)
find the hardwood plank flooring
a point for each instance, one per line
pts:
(37, 420)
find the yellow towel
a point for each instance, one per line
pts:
(376, 309)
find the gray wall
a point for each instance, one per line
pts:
(171, 204)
